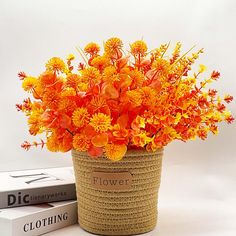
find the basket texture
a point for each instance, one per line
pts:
(119, 212)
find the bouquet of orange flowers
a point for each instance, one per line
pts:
(118, 100)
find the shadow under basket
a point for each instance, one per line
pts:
(118, 198)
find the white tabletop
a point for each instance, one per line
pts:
(213, 219)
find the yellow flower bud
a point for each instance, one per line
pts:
(202, 68)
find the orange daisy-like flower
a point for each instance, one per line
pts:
(161, 66)
(112, 45)
(90, 74)
(110, 74)
(100, 122)
(29, 84)
(100, 62)
(148, 96)
(72, 80)
(56, 64)
(59, 141)
(92, 49)
(83, 87)
(52, 143)
(81, 142)
(80, 117)
(51, 99)
(66, 105)
(137, 77)
(115, 152)
(34, 122)
(56, 140)
(68, 92)
(138, 48)
(98, 104)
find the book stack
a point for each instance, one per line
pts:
(34, 202)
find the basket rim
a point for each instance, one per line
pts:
(133, 152)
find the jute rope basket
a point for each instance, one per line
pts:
(118, 212)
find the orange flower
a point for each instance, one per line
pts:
(112, 45)
(90, 74)
(161, 66)
(98, 104)
(137, 78)
(72, 81)
(56, 64)
(52, 143)
(80, 117)
(149, 96)
(68, 92)
(138, 48)
(100, 122)
(92, 49)
(100, 62)
(115, 152)
(110, 74)
(114, 102)
(81, 142)
(51, 99)
(66, 105)
(34, 122)
(59, 141)
(29, 84)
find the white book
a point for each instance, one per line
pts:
(20, 188)
(37, 219)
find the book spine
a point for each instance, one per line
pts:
(37, 195)
(45, 221)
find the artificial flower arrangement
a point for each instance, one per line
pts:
(119, 100)
(116, 111)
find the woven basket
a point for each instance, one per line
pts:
(121, 211)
